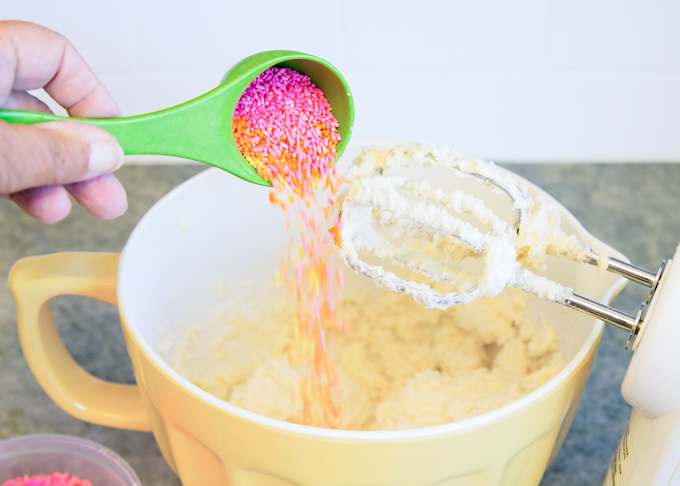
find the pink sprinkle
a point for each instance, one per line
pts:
(322, 338)
(316, 308)
(54, 479)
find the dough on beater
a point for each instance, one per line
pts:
(372, 196)
(541, 234)
(423, 232)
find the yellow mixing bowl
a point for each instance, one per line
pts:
(214, 228)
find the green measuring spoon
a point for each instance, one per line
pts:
(202, 129)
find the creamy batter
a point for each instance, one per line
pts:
(402, 366)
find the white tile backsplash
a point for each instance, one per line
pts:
(536, 117)
(655, 118)
(147, 91)
(615, 34)
(205, 34)
(435, 34)
(396, 105)
(101, 31)
(527, 80)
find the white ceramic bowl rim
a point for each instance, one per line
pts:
(416, 433)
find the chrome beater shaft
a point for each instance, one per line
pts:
(614, 316)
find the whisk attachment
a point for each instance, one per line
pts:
(435, 240)
(421, 228)
(376, 202)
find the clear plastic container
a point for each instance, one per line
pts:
(48, 453)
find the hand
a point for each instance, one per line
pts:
(40, 164)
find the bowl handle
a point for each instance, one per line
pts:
(34, 281)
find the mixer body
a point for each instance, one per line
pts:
(648, 452)
(649, 449)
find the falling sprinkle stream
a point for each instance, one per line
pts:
(284, 127)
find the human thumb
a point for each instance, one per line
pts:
(52, 153)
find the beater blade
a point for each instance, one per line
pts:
(423, 229)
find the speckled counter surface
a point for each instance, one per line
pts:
(635, 208)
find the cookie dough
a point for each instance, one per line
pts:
(401, 366)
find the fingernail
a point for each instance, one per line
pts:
(104, 157)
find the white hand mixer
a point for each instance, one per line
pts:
(422, 228)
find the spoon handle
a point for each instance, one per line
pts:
(28, 117)
(133, 133)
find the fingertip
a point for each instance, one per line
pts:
(49, 204)
(102, 196)
(98, 104)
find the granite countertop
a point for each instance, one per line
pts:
(633, 207)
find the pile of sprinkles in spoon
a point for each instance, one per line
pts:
(284, 127)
